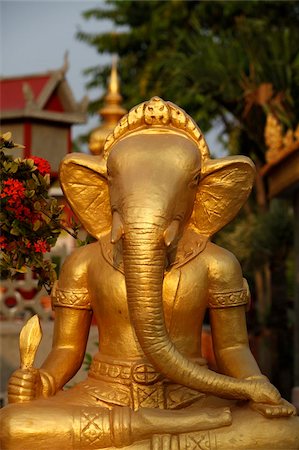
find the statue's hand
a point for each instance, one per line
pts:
(28, 384)
(24, 385)
(283, 409)
(261, 391)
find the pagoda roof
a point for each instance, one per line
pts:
(45, 96)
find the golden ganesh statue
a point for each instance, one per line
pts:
(153, 201)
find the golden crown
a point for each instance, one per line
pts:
(157, 113)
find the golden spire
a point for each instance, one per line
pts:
(110, 114)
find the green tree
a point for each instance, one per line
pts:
(230, 62)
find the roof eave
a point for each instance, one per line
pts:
(69, 117)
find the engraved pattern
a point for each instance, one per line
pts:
(92, 428)
(178, 396)
(228, 299)
(110, 395)
(222, 191)
(118, 372)
(139, 385)
(148, 396)
(198, 441)
(78, 299)
(145, 374)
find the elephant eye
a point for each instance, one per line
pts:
(195, 181)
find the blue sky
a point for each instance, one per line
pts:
(34, 36)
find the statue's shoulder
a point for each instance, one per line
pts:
(82, 255)
(223, 267)
(75, 267)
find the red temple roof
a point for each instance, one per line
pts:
(12, 96)
(46, 96)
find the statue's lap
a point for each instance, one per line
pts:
(249, 430)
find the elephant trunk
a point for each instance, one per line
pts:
(144, 256)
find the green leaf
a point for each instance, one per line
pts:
(52, 241)
(30, 194)
(35, 178)
(7, 166)
(36, 225)
(47, 179)
(5, 256)
(37, 206)
(30, 163)
(14, 167)
(15, 232)
(53, 205)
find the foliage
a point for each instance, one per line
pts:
(31, 221)
(87, 361)
(270, 235)
(218, 60)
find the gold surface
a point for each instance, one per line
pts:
(152, 201)
(30, 338)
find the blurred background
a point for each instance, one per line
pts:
(233, 66)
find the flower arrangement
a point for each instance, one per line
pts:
(31, 221)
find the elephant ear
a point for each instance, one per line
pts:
(224, 188)
(83, 181)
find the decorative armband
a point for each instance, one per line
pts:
(228, 299)
(70, 298)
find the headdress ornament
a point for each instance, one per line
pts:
(157, 113)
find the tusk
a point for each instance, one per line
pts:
(117, 229)
(171, 232)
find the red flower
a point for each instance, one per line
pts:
(22, 212)
(13, 189)
(41, 246)
(3, 243)
(43, 166)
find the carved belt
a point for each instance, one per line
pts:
(139, 372)
(137, 384)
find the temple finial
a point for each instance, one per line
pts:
(113, 85)
(110, 113)
(66, 63)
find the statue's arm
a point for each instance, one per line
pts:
(228, 323)
(228, 297)
(231, 346)
(71, 327)
(71, 330)
(71, 302)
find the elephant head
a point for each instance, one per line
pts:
(154, 179)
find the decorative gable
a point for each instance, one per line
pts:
(39, 110)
